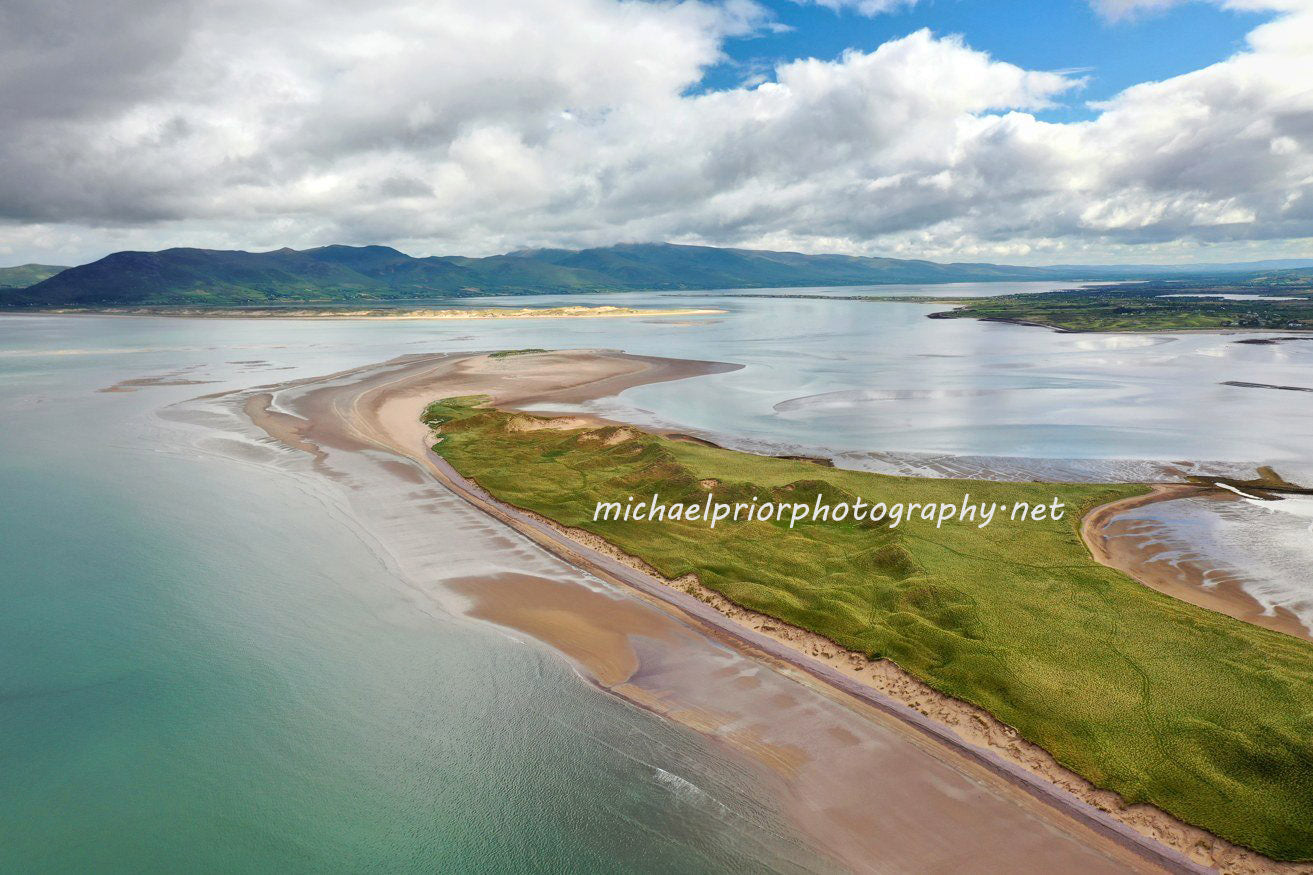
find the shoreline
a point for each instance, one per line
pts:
(1057, 329)
(1111, 545)
(571, 311)
(902, 696)
(390, 419)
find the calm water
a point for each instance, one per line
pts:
(1270, 548)
(848, 378)
(205, 664)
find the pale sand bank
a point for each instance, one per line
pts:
(383, 411)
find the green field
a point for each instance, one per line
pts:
(24, 275)
(1207, 717)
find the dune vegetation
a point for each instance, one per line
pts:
(1163, 702)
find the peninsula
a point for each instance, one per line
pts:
(1121, 684)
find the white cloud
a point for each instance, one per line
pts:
(863, 7)
(1118, 10)
(444, 126)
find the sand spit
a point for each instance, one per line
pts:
(864, 790)
(381, 411)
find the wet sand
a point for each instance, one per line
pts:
(873, 780)
(1135, 546)
(172, 378)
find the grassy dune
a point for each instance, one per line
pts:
(1163, 702)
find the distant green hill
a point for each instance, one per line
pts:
(334, 275)
(203, 276)
(25, 275)
(346, 274)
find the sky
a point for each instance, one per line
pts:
(1027, 132)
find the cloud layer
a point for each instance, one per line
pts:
(446, 126)
(1120, 9)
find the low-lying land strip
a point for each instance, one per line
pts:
(1202, 715)
(568, 312)
(1153, 306)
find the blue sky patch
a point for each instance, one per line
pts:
(1034, 34)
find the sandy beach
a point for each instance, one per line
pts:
(644, 650)
(1132, 547)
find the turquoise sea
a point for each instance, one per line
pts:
(206, 665)
(203, 667)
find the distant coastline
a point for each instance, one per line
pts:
(362, 276)
(568, 312)
(1230, 304)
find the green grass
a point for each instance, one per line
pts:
(507, 353)
(1207, 717)
(25, 275)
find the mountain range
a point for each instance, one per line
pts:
(372, 274)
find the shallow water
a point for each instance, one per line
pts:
(848, 377)
(827, 376)
(1267, 547)
(205, 662)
